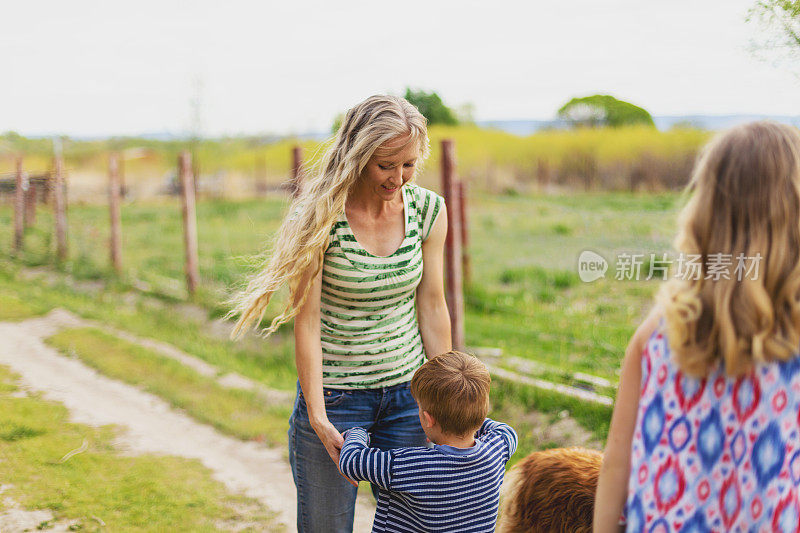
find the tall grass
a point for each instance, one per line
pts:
(524, 296)
(616, 159)
(101, 489)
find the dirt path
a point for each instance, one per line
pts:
(150, 424)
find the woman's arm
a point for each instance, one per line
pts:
(432, 313)
(308, 359)
(612, 486)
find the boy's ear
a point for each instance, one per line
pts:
(428, 419)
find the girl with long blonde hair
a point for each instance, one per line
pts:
(361, 253)
(705, 434)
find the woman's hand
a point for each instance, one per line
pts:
(330, 437)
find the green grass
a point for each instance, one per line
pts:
(506, 232)
(476, 147)
(243, 415)
(144, 493)
(584, 328)
(271, 363)
(231, 233)
(13, 308)
(231, 411)
(240, 413)
(507, 398)
(525, 296)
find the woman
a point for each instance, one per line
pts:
(704, 435)
(362, 255)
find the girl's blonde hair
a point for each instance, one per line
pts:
(302, 238)
(745, 203)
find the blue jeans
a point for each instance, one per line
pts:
(325, 500)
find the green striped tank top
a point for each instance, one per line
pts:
(369, 331)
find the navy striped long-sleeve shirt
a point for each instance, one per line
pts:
(439, 489)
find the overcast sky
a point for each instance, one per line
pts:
(104, 67)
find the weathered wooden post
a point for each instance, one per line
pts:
(297, 164)
(49, 188)
(19, 207)
(114, 194)
(123, 187)
(462, 209)
(543, 173)
(60, 207)
(30, 204)
(453, 286)
(196, 176)
(189, 221)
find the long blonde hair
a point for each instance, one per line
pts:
(302, 238)
(745, 200)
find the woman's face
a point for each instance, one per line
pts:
(388, 169)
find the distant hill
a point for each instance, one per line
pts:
(664, 122)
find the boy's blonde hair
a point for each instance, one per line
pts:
(454, 389)
(745, 203)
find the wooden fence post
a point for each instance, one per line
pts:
(114, 193)
(49, 188)
(123, 187)
(189, 221)
(453, 287)
(297, 164)
(30, 204)
(543, 173)
(60, 208)
(462, 209)
(19, 207)
(196, 176)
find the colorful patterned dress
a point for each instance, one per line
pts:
(715, 454)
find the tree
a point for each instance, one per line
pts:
(432, 107)
(465, 113)
(337, 123)
(603, 110)
(783, 18)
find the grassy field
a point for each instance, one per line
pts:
(271, 363)
(489, 160)
(525, 298)
(524, 295)
(477, 147)
(237, 413)
(100, 489)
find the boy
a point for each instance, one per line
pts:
(454, 485)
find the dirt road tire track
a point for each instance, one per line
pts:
(150, 425)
